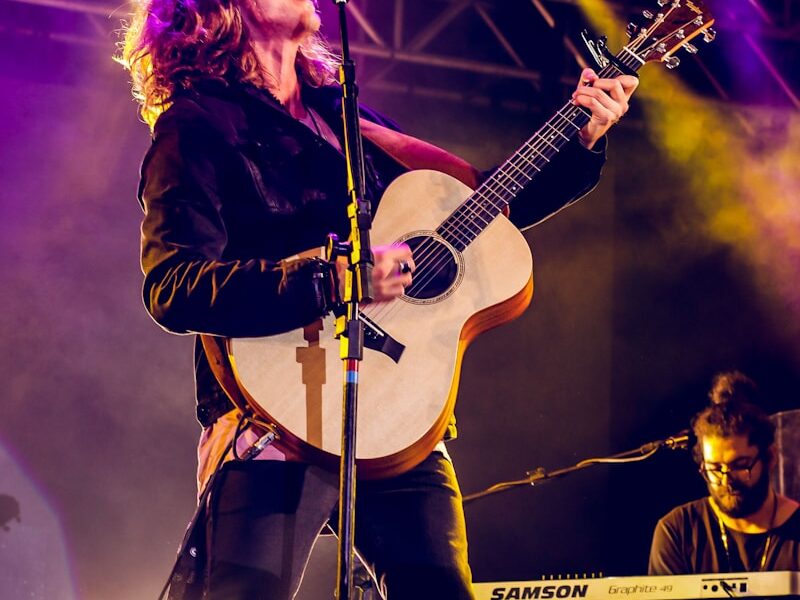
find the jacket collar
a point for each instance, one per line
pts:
(325, 99)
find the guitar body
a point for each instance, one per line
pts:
(294, 380)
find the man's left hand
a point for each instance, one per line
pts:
(606, 99)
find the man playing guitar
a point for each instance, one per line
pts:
(245, 171)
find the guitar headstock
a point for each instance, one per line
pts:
(666, 29)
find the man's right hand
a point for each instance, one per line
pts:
(391, 274)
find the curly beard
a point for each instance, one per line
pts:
(738, 499)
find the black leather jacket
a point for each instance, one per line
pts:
(232, 184)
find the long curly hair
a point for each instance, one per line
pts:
(169, 45)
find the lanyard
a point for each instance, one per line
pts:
(724, 535)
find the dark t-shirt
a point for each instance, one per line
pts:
(688, 540)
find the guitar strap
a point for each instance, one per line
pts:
(415, 154)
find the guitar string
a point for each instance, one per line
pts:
(472, 208)
(505, 178)
(472, 204)
(541, 138)
(444, 254)
(488, 202)
(494, 191)
(463, 226)
(538, 150)
(630, 66)
(537, 147)
(534, 146)
(431, 256)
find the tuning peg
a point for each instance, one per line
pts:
(672, 62)
(662, 2)
(680, 34)
(631, 29)
(596, 48)
(647, 14)
(709, 35)
(690, 48)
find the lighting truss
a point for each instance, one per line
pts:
(406, 54)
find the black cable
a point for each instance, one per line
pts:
(540, 475)
(236, 433)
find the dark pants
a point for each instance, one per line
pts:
(266, 515)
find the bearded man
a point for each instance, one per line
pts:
(743, 524)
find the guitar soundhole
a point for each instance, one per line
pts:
(438, 269)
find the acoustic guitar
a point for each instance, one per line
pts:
(473, 272)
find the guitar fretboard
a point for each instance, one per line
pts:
(467, 222)
(672, 25)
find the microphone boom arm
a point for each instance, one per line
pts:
(679, 441)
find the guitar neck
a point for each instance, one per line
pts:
(670, 27)
(467, 222)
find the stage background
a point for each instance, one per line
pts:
(639, 300)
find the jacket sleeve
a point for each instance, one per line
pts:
(571, 174)
(189, 287)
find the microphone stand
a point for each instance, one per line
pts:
(358, 288)
(679, 441)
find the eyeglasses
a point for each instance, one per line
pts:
(739, 469)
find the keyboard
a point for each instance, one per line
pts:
(784, 584)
